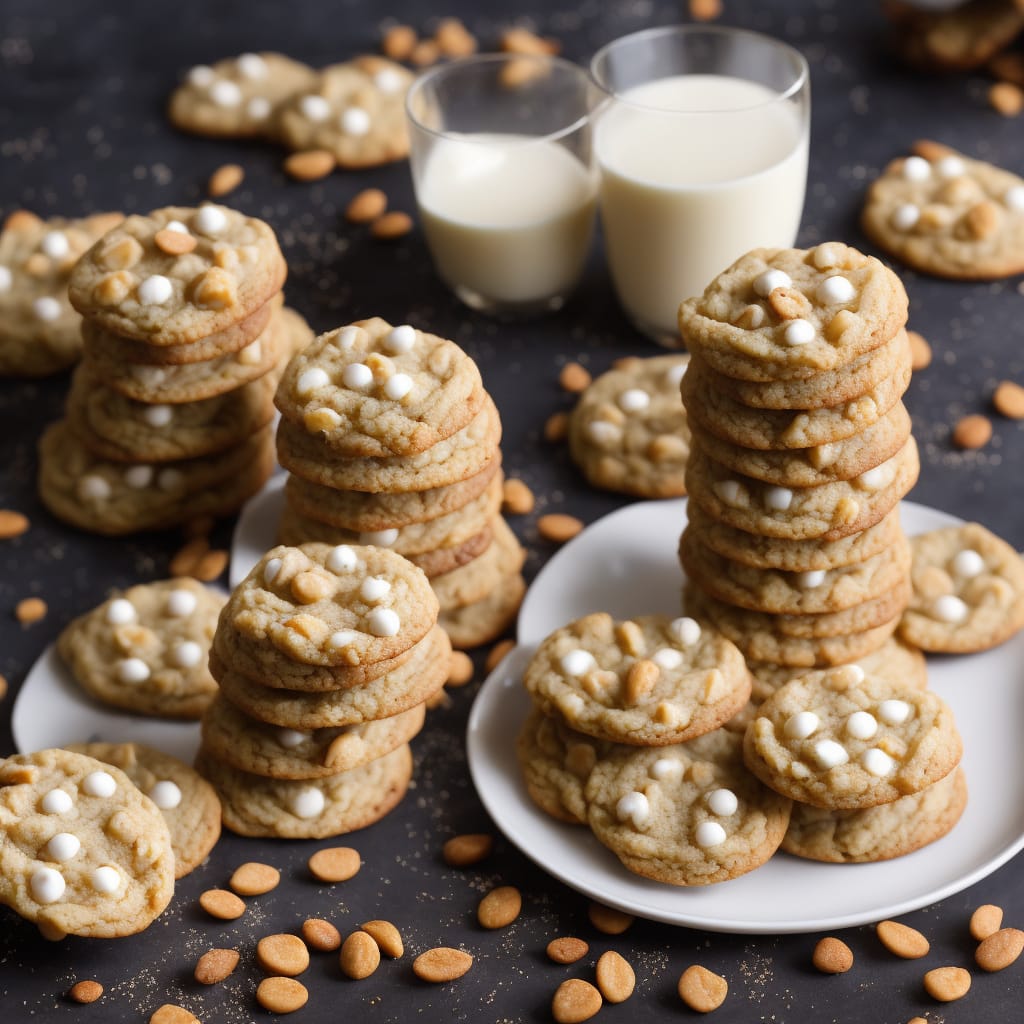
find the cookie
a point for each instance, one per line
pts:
(83, 851)
(236, 97)
(769, 590)
(452, 460)
(968, 592)
(849, 741)
(187, 801)
(262, 749)
(487, 619)
(479, 578)
(178, 274)
(413, 682)
(649, 681)
(878, 833)
(40, 333)
(788, 314)
(145, 649)
(827, 512)
(628, 431)
(772, 429)
(120, 429)
(355, 111)
(686, 815)
(370, 389)
(111, 498)
(308, 808)
(949, 215)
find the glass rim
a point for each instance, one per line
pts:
(482, 59)
(802, 76)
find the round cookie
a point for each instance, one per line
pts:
(686, 815)
(308, 808)
(355, 110)
(263, 749)
(828, 512)
(788, 314)
(40, 333)
(138, 282)
(370, 389)
(187, 801)
(450, 461)
(236, 97)
(968, 591)
(847, 740)
(83, 852)
(878, 833)
(649, 681)
(628, 431)
(477, 579)
(146, 648)
(485, 620)
(950, 216)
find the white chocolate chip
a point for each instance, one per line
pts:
(861, 725)
(950, 167)
(968, 564)
(916, 168)
(666, 768)
(251, 354)
(93, 488)
(950, 608)
(634, 400)
(157, 415)
(271, 569)
(633, 807)
(132, 670)
(5, 279)
(1014, 198)
(710, 833)
(138, 477)
(374, 589)
(292, 738)
(225, 94)
(801, 725)
(380, 538)
(675, 374)
(186, 654)
(778, 499)
(388, 80)
(766, 283)
(342, 638)
(201, 75)
(347, 337)
(47, 885)
(667, 658)
(165, 794)
(354, 121)
(252, 65)
(310, 380)
(852, 674)
(55, 244)
(106, 879)
(120, 612)
(258, 108)
(685, 630)
(811, 579)
(577, 663)
(210, 220)
(307, 802)
(384, 622)
(877, 478)
(826, 256)
(341, 559)
(601, 432)
(57, 801)
(397, 386)
(176, 225)
(893, 712)
(314, 108)
(99, 783)
(731, 493)
(63, 846)
(835, 289)
(46, 308)
(722, 802)
(180, 604)
(357, 376)
(877, 762)
(905, 216)
(155, 290)
(400, 339)
(799, 332)
(830, 754)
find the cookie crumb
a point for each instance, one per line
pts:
(832, 956)
(12, 524)
(215, 965)
(310, 165)
(460, 669)
(497, 653)
(947, 983)
(254, 879)
(972, 432)
(320, 935)
(608, 920)
(281, 995)
(702, 990)
(575, 1000)
(500, 907)
(30, 610)
(556, 428)
(558, 527)
(391, 226)
(574, 378)
(221, 904)
(920, 351)
(442, 964)
(567, 950)
(1006, 98)
(360, 956)
(516, 498)
(85, 991)
(225, 179)
(985, 921)
(1008, 400)
(366, 206)
(335, 864)
(466, 850)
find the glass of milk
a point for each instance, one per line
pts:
(701, 143)
(503, 170)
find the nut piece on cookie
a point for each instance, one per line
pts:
(946, 214)
(968, 591)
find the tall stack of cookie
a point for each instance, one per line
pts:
(325, 657)
(169, 414)
(801, 452)
(391, 440)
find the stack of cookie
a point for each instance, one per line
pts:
(801, 452)
(391, 440)
(169, 414)
(325, 657)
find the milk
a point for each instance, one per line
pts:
(508, 218)
(683, 195)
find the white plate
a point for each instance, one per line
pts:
(626, 564)
(256, 528)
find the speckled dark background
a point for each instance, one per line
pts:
(82, 89)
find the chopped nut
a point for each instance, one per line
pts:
(466, 850)
(1009, 400)
(387, 937)
(832, 956)
(442, 964)
(1006, 98)
(516, 498)
(399, 42)
(902, 940)
(454, 39)
(174, 243)
(640, 680)
(983, 219)
(608, 920)
(210, 565)
(281, 995)
(750, 318)
(320, 935)
(224, 180)
(215, 289)
(335, 864)
(1000, 949)
(500, 907)
(986, 921)
(254, 879)
(360, 956)
(425, 53)
(460, 669)
(215, 965)
(567, 950)
(311, 586)
(187, 558)
(282, 954)
(30, 610)
(85, 991)
(705, 10)
(12, 524)
(497, 653)
(311, 165)
(120, 254)
(667, 448)
(366, 206)
(920, 351)
(972, 432)
(947, 983)
(702, 990)
(113, 289)
(788, 303)
(308, 626)
(556, 428)
(221, 904)
(615, 977)
(558, 527)
(391, 225)
(574, 378)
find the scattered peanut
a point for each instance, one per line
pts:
(500, 907)
(567, 950)
(986, 921)
(187, 558)
(30, 610)
(210, 566)
(311, 165)
(3, 687)
(1008, 400)
(920, 351)
(972, 432)
(360, 956)
(85, 991)
(832, 956)
(282, 954)
(902, 940)
(215, 965)
(574, 378)
(12, 524)
(170, 1013)
(223, 905)
(556, 428)
(225, 179)
(254, 879)
(1006, 98)
(615, 977)
(454, 39)
(366, 206)
(281, 995)
(558, 527)
(399, 41)
(387, 937)
(516, 498)
(520, 71)
(335, 864)
(947, 983)
(460, 669)
(425, 53)
(522, 40)
(320, 935)
(174, 243)
(705, 10)
(466, 850)
(931, 150)
(391, 225)
(1000, 949)
(497, 653)
(608, 920)
(441, 964)
(702, 990)
(575, 1000)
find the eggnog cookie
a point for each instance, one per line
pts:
(237, 96)
(878, 833)
(450, 461)
(308, 808)
(628, 431)
(848, 741)
(968, 591)
(40, 333)
(178, 274)
(262, 749)
(687, 815)
(113, 498)
(950, 216)
(477, 579)
(356, 111)
(370, 389)
(485, 620)
(788, 314)
(187, 801)
(649, 681)
(82, 850)
(145, 648)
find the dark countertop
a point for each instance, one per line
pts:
(82, 129)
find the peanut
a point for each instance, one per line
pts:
(522, 40)
(788, 303)
(500, 907)
(558, 527)
(254, 879)
(310, 165)
(986, 921)
(567, 950)
(170, 1013)
(387, 937)
(366, 206)
(466, 850)
(920, 351)
(832, 956)
(1008, 400)
(972, 432)
(215, 965)
(640, 680)
(574, 378)
(187, 558)
(224, 180)
(454, 39)
(1006, 98)
(210, 565)
(335, 864)
(221, 904)
(497, 653)
(702, 990)
(360, 956)
(516, 498)
(174, 243)
(12, 524)
(460, 669)
(391, 225)
(320, 935)
(85, 991)
(281, 995)
(556, 427)
(608, 920)
(442, 964)
(425, 53)
(615, 977)
(575, 1000)
(399, 41)
(1000, 949)
(902, 940)
(983, 219)
(282, 954)
(705, 10)
(947, 983)
(30, 610)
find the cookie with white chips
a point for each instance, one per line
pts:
(187, 801)
(646, 681)
(145, 649)
(82, 850)
(354, 110)
(371, 389)
(628, 431)
(968, 591)
(687, 815)
(945, 214)
(483, 621)
(846, 740)
(40, 333)
(788, 314)
(237, 96)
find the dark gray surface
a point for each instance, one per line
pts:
(81, 128)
